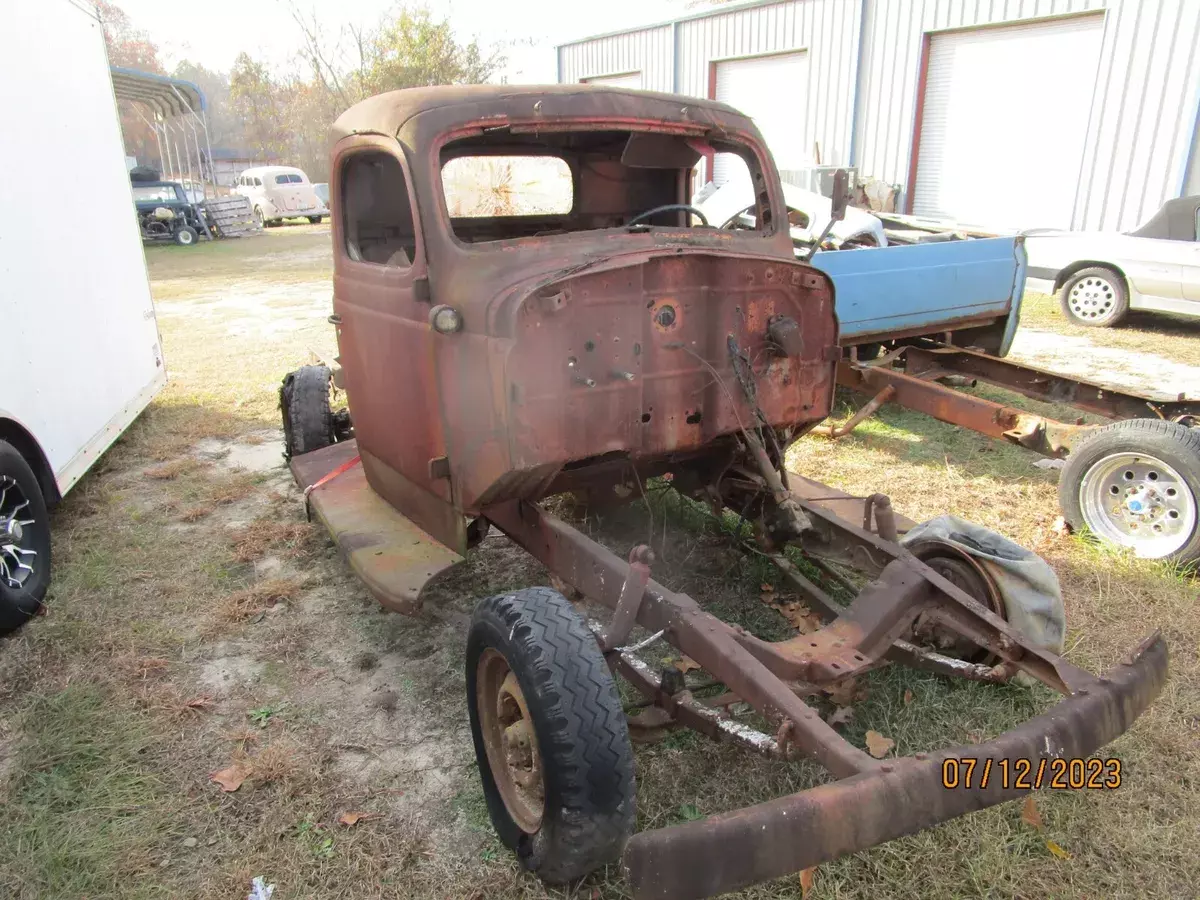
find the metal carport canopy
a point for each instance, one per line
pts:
(166, 96)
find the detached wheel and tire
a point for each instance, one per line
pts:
(186, 236)
(1096, 297)
(550, 735)
(1137, 484)
(307, 419)
(24, 541)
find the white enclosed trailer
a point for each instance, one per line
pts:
(81, 350)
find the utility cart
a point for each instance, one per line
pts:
(597, 338)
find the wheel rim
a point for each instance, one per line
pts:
(1138, 501)
(1092, 298)
(17, 556)
(185, 237)
(510, 741)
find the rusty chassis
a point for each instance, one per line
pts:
(909, 376)
(874, 800)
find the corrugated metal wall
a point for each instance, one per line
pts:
(1142, 114)
(649, 51)
(827, 29)
(1141, 125)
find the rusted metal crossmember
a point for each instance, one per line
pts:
(922, 393)
(733, 850)
(878, 800)
(916, 387)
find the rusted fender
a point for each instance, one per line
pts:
(733, 850)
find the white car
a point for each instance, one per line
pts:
(808, 214)
(1100, 276)
(280, 192)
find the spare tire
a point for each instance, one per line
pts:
(307, 419)
(143, 174)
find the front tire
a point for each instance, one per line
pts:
(1137, 484)
(24, 541)
(314, 220)
(550, 735)
(307, 419)
(1096, 297)
(186, 236)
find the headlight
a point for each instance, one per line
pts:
(445, 319)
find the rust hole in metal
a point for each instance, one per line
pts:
(694, 418)
(665, 317)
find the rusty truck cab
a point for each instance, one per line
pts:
(500, 356)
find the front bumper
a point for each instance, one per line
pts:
(740, 848)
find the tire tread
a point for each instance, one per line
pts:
(588, 740)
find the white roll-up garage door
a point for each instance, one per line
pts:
(770, 90)
(626, 80)
(1004, 123)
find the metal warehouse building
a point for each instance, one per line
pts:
(1006, 113)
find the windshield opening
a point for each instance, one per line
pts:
(156, 193)
(507, 184)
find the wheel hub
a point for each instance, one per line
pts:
(16, 558)
(511, 741)
(1139, 502)
(1092, 298)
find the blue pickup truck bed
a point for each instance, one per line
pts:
(930, 288)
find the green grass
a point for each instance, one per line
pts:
(87, 811)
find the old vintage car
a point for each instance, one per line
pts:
(1100, 276)
(280, 192)
(164, 211)
(598, 333)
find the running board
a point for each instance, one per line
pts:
(392, 555)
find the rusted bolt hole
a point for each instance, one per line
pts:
(637, 349)
(665, 317)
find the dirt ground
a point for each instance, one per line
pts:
(199, 628)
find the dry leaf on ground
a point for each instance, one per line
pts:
(231, 779)
(878, 745)
(353, 818)
(1030, 814)
(686, 664)
(1057, 850)
(806, 880)
(908, 697)
(843, 692)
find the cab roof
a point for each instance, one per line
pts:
(453, 105)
